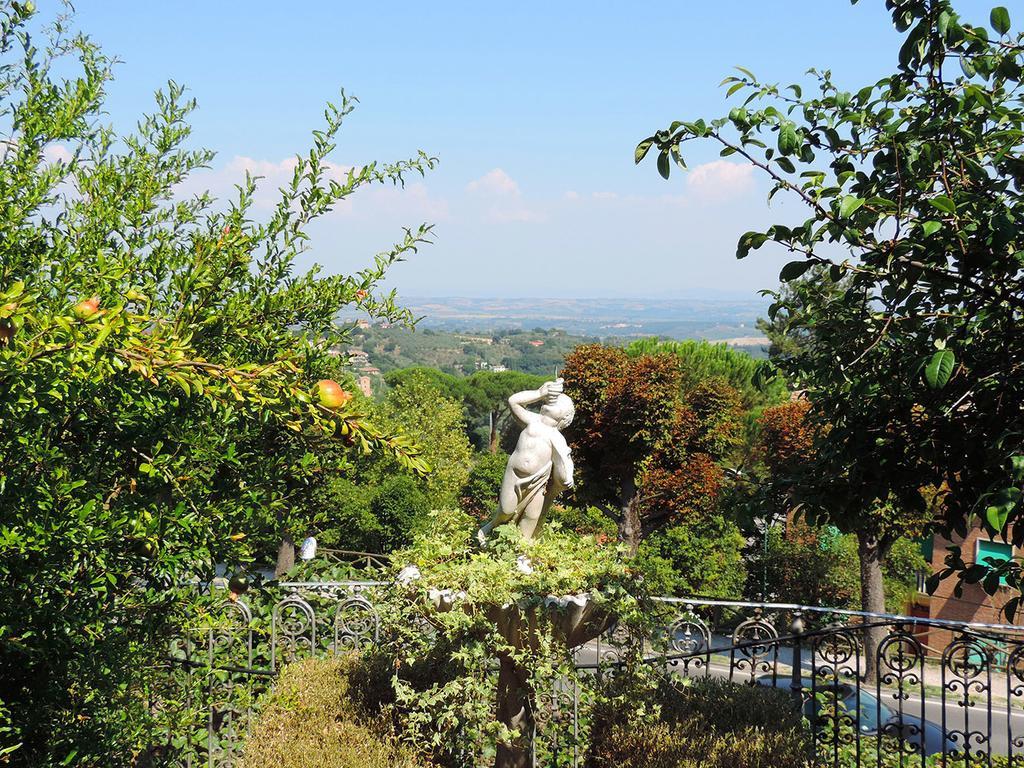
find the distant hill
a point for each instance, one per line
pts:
(462, 335)
(716, 319)
(376, 350)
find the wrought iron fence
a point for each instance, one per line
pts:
(875, 689)
(362, 560)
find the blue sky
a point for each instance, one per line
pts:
(532, 108)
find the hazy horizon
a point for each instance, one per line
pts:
(719, 294)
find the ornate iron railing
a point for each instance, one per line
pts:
(876, 689)
(362, 560)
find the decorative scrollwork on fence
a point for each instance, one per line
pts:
(755, 646)
(900, 658)
(230, 642)
(900, 662)
(292, 630)
(223, 665)
(835, 666)
(688, 634)
(1014, 690)
(229, 648)
(557, 722)
(613, 643)
(967, 674)
(838, 652)
(356, 625)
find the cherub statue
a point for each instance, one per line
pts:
(540, 467)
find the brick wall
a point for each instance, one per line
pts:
(974, 604)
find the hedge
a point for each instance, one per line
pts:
(312, 719)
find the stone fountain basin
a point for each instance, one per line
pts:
(575, 619)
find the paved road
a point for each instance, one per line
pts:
(958, 718)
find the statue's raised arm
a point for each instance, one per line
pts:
(517, 403)
(540, 467)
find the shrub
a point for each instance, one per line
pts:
(310, 720)
(690, 560)
(396, 507)
(479, 495)
(350, 523)
(372, 517)
(587, 521)
(705, 723)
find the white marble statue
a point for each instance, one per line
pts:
(540, 467)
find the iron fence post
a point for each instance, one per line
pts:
(796, 683)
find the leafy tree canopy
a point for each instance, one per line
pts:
(913, 191)
(159, 359)
(484, 397)
(417, 407)
(645, 453)
(818, 566)
(703, 558)
(701, 360)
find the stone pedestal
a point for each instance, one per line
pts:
(575, 619)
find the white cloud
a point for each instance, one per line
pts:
(507, 201)
(278, 171)
(721, 179)
(605, 195)
(54, 153)
(572, 195)
(414, 202)
(495, 182)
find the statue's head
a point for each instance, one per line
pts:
(561, 411)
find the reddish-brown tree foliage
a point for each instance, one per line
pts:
(786, 437)
(646, 447)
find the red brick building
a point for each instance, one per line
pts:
(974, 604)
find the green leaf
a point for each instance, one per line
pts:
(794, 269)
(1017, 467)
(663, 165)
(943, 203)
(939, 368)
(750, 240)
(642, 149)
(788, 141)
(943, 25)
(975, 573)
(931, 227)
(1010, 609)
(1004, 502)
(850, 205)
(1000, 18)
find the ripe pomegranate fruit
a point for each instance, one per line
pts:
(331, 394)
(86, 309)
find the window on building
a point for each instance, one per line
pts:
(993, 552)
(927, 547)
